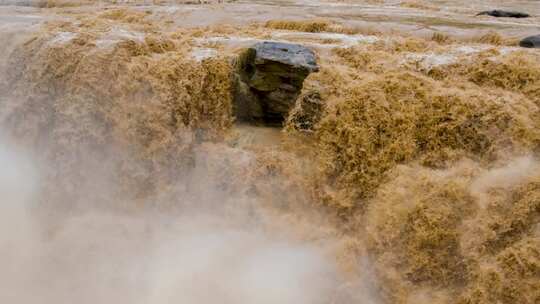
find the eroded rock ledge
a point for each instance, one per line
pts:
(270, 76)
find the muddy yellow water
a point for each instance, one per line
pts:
(126, 179)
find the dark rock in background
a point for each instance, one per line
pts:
(507, 14)
(270, 78)
(530, 42)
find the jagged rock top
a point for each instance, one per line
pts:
(294, 55)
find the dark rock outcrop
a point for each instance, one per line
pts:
(270, 78)
(530, 42)
(507, 14)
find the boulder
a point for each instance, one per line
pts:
(530, 42)
(507, 14)
(270, 78)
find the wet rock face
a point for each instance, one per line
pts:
(270, 78)
(307, 112)
(531, 42)
(507, 14)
